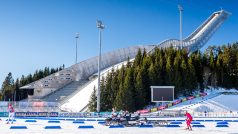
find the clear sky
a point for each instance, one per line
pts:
(41, 33)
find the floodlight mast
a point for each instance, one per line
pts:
(76, 55)
(181, 32)
(100, 26)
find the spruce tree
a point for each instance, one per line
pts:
(118, 103)
(8, 87)
(103, 95)
(128, 91)
(92, 106)
(138, 59)
(177, 79)
(192, 79)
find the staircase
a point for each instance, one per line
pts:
(62, 93)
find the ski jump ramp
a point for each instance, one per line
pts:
(86, 69)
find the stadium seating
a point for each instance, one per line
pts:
(65, 91)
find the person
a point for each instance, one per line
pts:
(189, 119)
(10, 114)
(205, 113)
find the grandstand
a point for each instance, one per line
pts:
(71, 88)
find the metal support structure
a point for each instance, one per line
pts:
(76, 55)
(180, 20)
(100, 26)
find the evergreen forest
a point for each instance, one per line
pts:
(128, 88)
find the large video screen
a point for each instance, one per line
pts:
(162, 93)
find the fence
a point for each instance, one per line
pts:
(38, 106)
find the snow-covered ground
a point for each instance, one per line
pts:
(216, 101)
(71, 128)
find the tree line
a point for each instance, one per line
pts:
(128, 88)
(10, 89)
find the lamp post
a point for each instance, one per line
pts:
(76, 55)
(181, 32)
(100, 26)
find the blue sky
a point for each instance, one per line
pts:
(40, 33)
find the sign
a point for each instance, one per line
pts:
(36, 114)
(162, 93)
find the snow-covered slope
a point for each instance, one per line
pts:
(215, 101)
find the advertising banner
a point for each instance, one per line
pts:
(3, 114)
(36, 114)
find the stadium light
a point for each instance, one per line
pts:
(76, 55)
(181, 32)
(100, 26)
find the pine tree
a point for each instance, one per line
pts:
(138, 58)
(114, 86)
(153, 75)
(16, 90)
(8, 87)
(93, 101)
(184, 70)
(212, 67)
(169, 72)
(145, 78)
(118, 103)
(177, 80)
(140, 93)
(219, 69)
(198, 68)
(103, 95)
(192, 79)
(108, 93)
(237, 69)
(128, 96)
